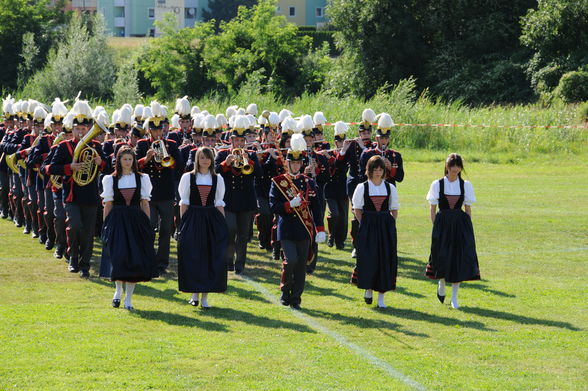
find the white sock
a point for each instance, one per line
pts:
(129, 293)
(368, 293)
(119, 290)
(441, 289)
(454, 289)
(195, 296)
(381, 300)
(205, 300)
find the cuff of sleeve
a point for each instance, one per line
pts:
(67, 170)
(221, 203)
(184, 203)
(141, 163)
(225, 166)
(23, 154)
(47, 167)
(102, 165)
(287, 207)
(320, 228)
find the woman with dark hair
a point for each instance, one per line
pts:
(375, 205)
(127, 238)
(204, 235)
(453, 247)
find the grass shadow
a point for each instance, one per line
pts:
(518, 318)
(236, 315)
(179, 320)
(425, 317)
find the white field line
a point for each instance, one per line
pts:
(358, 350)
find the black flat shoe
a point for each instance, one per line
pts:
(49, 245)
(441, 298)
(285, 302)
(231, 268)
(368, 300)
(193, 303)
(295, 306)
(72, 269)
(85, 274)
(238, 271)
(116, 303)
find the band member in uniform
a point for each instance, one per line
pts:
(204, 234)
(238, 167)
(453, 246)
(350, 154)
(127, 238)
(336, 192)
(80, 184)
(293, 199)
(158, 158)
(375, 204)
(392, 158)
(23, 172)
(8, 130)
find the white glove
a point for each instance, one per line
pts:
(294, 202)
(321, 237)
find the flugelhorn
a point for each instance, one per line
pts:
(162, 157)
(241, 161)
(85, 155)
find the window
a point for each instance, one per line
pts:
(291, 11)
(319, 12)
(119, 12)
(190, 13)
(151, 13)
(152, 32)
(161, 1)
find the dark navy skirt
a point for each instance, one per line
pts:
(202, 247)
(127, 246)
(453, 248)
(377, 260)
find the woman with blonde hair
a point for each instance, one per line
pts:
(203, 237)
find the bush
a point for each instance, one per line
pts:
(126, 87)
(573, 87)
(583, 112)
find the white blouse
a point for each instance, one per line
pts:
(451, 188)
(380, 190)
(126, 182)
(201, 179)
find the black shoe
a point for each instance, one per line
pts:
(275, 254)
(26, 230)
(84, 274)
(72, 268)
(58, 253)
(35, 234)
(238, 271)
(295, 306)
(42, 239)
(441, 298)
(49, 245)
(161, 272)
(284, 300)
(4, 215)
(368, 300)
(231, 268)
(18, 224)
(331, 241)
(193, 303)
(340, 246)
(116, 303)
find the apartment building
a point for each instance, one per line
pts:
(303, 12)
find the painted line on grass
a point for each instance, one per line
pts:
(363, 353)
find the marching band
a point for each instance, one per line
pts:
(204, 179)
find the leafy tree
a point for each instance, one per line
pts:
(172, 64)
(225, 10)
(557, 32)
(30, 59)
(126, 87)
(259, 41)
(82, 62)
(18, 17)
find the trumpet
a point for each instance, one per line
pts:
(162, 157)
(241, 161)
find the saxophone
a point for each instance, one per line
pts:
(85, 154)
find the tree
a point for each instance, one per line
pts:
(82, 62)
(260, 42)
(18, 17)
(557, 32)
(172, 64)
(225, 10)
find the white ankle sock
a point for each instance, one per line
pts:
(119, 290)
(381, 300)
(368, 293)
(129, 293)
(205, 300)
(441, 288)
(454, 289)
(195, 296)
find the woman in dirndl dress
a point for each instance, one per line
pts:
(375, 204)
(203, 237)
(453, 247)
(127, 238)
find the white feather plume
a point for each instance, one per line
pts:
(39, 114)
(284, 113)
(319, 118)
(274, 119)
(305, 123)
(210, 122)
(68, 120)
(195, 110)
(289, 124)
(252, 109)
(341, 128)
(125, 115)
(183, 106)
(385, 121)
(155, 109)
(58, 108)
(138, 112)
(48, 121)
(241, 122)
(368, 115)
(197, 121)
(82, 109)
(231, 111)
(147, 113)
(297, 143)
(116, 116)
(221, 120)
(175, 122)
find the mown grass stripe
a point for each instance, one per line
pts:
(365, 354)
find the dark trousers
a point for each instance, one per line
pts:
(162, 215)
(263, 221)
(40, 214)
(48, 215)
(4, 190)
(60, 216)
(238, 224)
(294, 269)
(337, 220)
(81, 221)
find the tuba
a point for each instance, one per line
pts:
(85, 154)
(162, 157)
(242, 161)
(11, 162)
(57, 180)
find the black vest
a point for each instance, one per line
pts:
(195, 198)
(118, 197)
(368, 204)
(443, 202)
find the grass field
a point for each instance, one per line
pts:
(522, 327)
